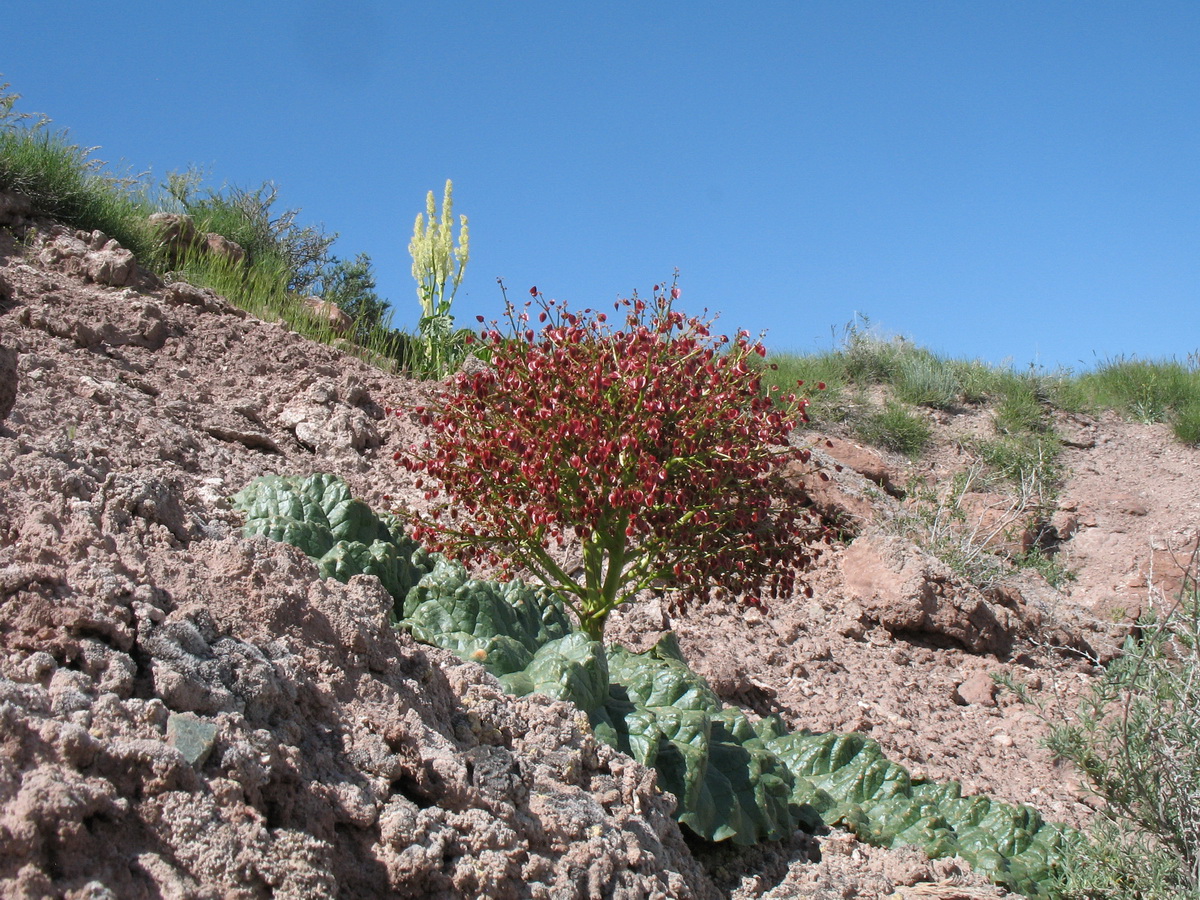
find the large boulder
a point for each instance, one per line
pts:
(910, 593)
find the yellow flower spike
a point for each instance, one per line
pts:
(434, 256)
(463, 251)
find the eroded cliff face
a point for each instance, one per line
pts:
(186, 713)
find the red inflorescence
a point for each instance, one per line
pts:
(656, 438)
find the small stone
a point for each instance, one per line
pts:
(191, 736)
(978, 690)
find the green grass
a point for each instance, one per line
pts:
(1186, 424)
(895, 428)
(784, 371)
(1023, 402)
(922, 379)
(1149, 391)
(66, 183)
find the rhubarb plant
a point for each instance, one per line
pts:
(734, 778)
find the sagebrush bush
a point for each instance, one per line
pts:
(1136, 741)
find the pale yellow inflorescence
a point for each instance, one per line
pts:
(434, 253)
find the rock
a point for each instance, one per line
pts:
(220, 246)
(866, 462)
(191, 736)
(995, 522)
(112, 265)
(327, 313)
(843, 498)
(15, 210)
(907, 591)
(1128, 504)
(978, 690)
(92, 255)
(1170, 567)
(176, 232)
(1065, 523)
(178, 235)
(8, 380)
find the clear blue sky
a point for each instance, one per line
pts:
(992, 179)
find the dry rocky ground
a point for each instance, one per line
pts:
(185, 713)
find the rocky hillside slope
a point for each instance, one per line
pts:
(187, 713)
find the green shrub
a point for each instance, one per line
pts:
(1136, 741)
(976, 380)
(249, 218)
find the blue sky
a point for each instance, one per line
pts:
(1007, 180)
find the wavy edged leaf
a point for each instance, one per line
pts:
(848, 781)
(342, 535)
(735, 779)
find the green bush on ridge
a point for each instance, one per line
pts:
(1135, 740)
(284, 261)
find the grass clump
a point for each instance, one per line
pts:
(284, 261)
(1186, 424)
(804, 375)
(65, 182)
(1145, 390)
(1149, 391)
(895, 428)
(922, 379)
(1020, 408)
(917, 377)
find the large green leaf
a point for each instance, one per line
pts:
(499, 625)
(729, 785)
(318, 515)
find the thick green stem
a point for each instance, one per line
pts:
(592, 624)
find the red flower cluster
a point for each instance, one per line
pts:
(654, 446)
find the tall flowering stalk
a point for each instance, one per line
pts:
(436, 263)
(653, 446)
